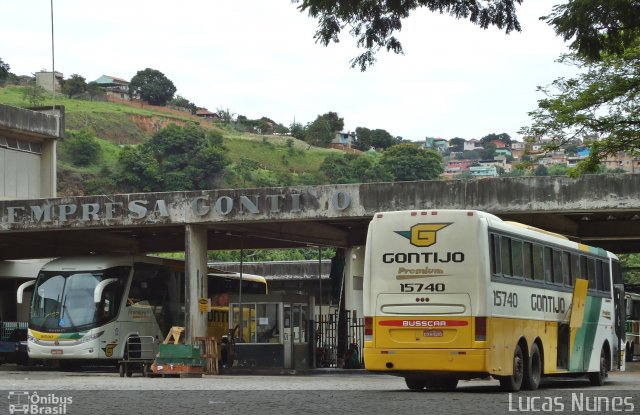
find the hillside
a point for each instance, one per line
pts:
(273, 160)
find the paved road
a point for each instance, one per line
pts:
(330, 393)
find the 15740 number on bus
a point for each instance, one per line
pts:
(505, 299)
(416, 287)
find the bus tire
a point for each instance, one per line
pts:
(446, 384)
(121, 369)
(598, 378)
(415, 384)
(533, 370)
(513, 383)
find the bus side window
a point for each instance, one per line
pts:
(495, 254)
(548, 264)
(505, 255)
(575, 268)
(599, 276)
(584, 272)
(566, 268)
(538, 263)
(528, 260)
(557, 267)
(516, 258)
(606, 277)
(591, 272)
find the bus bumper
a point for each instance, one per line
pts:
(88, 350)
(432, 360)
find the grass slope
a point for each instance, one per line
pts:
(279, 161)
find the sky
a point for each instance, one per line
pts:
(259, 58)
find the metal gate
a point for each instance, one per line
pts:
(333, 351)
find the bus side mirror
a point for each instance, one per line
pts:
(21, 289)
(97, 292)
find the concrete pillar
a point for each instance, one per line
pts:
(195, 281)
(353, 275)
(48, 172)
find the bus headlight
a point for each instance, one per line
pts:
(90, 337)
(32, 339)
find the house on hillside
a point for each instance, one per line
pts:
(114, 87)
(48, 80)
(623, 161)
(205, 114)
(489, 170)
(472, 144)
(499, 143)
(441, 145)
(347, 139)
(457, 166)
(504, 152)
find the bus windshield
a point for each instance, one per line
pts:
(63, 300)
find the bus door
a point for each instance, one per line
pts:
(574, 347)
(620, 324)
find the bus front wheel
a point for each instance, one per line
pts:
(514, 382)
(598, 378)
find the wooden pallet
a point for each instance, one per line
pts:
(176, 370)
(209, 352)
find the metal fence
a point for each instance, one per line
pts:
(339, 348)
(8, 327)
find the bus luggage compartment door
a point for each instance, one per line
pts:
(430, 321)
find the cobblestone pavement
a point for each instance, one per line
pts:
(332, 392)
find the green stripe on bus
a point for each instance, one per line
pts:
(585, 336)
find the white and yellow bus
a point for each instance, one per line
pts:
(103, 307)
(632, 301)
(461, 294)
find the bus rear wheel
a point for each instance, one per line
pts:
(415, 384)
(628, 356)
(514, 382)
(598, 378)
(446, 384)
(533, 372)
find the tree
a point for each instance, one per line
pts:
(381, 139)
(4, 71)
(598, 29)
(352, 168)
(75, 85)
(152, 86)
(319, 132)
(410, 162)
(81, 147)
(457, 144)
(557, 169)
(33, 94)
(94, 90)
(297, 130)
(363, 139)
(540, 170)
(373, 22)
(601, 101)
(336, 124)
(504, 137)
(181, 102)
(176, 158)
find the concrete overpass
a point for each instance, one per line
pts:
(600, 210)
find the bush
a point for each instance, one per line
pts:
(81, 147)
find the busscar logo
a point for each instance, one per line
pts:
(423, 234)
